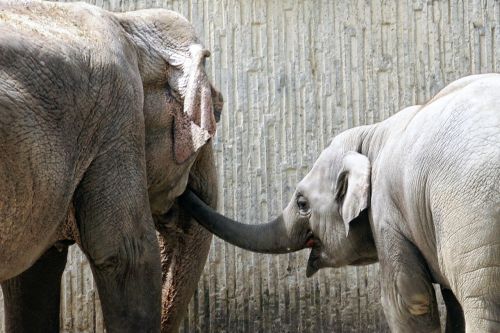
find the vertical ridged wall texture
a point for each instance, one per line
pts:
(294, 74)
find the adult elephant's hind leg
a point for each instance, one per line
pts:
(118, 237)
(32, 298)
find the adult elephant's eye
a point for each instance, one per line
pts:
(302, 204)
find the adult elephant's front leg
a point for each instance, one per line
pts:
(118, 237)
(32, 298)
(184, 244)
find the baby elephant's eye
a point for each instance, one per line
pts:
(302, 204)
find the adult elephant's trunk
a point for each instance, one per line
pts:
(271, 237)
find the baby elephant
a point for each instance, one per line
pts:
(419, 192)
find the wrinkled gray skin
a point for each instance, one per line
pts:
(420, 191)
(104, 119)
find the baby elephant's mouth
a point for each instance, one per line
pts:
(314, 263)
(364, 261)
(318, 260)
(312, 267)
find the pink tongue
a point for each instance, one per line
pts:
(310, 243)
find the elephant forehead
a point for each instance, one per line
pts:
(324, 171)
(318, 185)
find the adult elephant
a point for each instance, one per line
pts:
(419, 192)
(104, 120)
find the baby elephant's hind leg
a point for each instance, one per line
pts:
(479, 294)
(480, 298)
(473, 266)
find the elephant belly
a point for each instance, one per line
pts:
(22, 243)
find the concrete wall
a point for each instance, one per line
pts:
(295, 73)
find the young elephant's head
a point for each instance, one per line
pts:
(181, 106)
(328, 213)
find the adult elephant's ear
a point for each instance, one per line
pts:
(196, 124)
(353, 186)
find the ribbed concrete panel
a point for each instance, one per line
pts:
(294, 74)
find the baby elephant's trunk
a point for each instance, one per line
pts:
(271, 237)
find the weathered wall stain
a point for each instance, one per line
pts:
(294, 74)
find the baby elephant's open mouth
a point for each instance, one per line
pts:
(314, 262)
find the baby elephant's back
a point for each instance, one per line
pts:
(455, 137)
(456, 155)
(464, 133)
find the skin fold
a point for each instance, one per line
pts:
(418, 192)
(104, 120)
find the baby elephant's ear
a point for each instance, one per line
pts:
(353, 186)
(196, 125)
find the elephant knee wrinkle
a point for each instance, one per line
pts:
(415, 293)
(419, 304)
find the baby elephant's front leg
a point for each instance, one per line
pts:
(408, 296)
